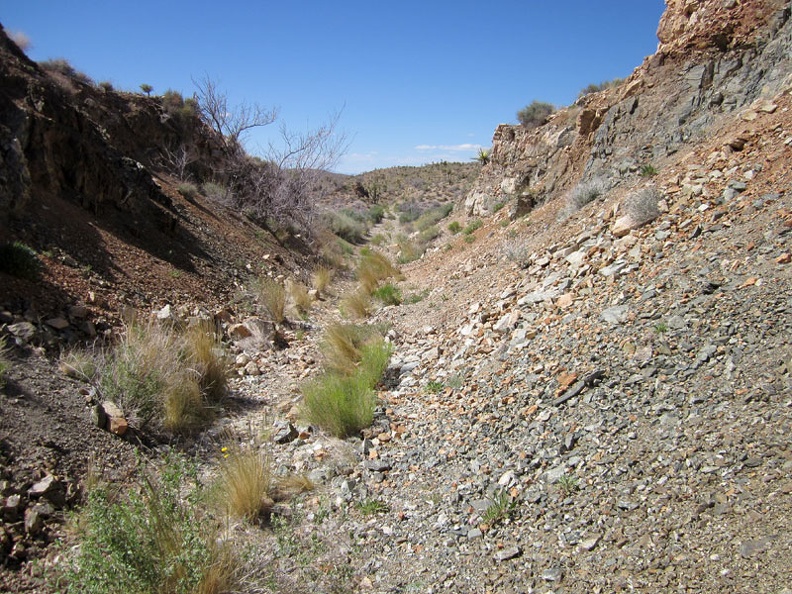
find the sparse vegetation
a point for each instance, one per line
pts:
(151, 539)
(4, 364)
(483, 156)
(321, 278)
(64, 68)
(146, 88)
(568, 484)
(188, 190)
(79, 365)
(472, 227)
(643, 206)
(343, 403)
(272, 295)
(356, 304)
(388, 294)
(434, 387)
(500, 509)
(596, 88)
(243, 486)
(19, 260)
(661, 327)
(347, 225)
(648, 170)
(586, 192)
(455, 227)
(301, 298)
(369, 507)
(535, 114)
(373, 268)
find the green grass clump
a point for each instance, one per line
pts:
(347, 225)
(171, 380)
(388, 294)
(455, 227)
(342, 400)
(472, 227)
(500, 509)
(150, 539)
(648, 170)
(19, 260)
(433, 216)
(369, 507)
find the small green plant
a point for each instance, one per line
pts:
(188, 190)
(472, 227)
(388, 294)
(376, 213)
(272, 295)
(455, 381)
(661, 327)
(568, 484)
(370, 507)
(535, 114)
(648, 170)
(500, 509)
(146, 88)
(470, 238)
(151, 539)
(417, 297)
(454, 227)
(498, 207)
(434, 387)
(342, 400)
(19, 260)
(483, 156)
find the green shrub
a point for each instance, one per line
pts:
(19, 260)
(483, 156)
(455, 227)
(409, 250)
(428, 234)
(346, 226)
(535, 114)
(409, 212)
(596, 88)
(433, 216)
(188, 190)
(151, 539)
(376, 213)
(388, 294)
(472, 227)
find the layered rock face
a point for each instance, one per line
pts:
(717, 61)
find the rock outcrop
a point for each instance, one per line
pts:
(716, 61)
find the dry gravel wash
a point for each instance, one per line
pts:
(654, 371)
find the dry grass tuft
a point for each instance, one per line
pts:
(373, 268)
(356, 305)
(273, 297)
(244, 482)
(300, 297)
(321, 278)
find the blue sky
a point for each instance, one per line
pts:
(418, 81)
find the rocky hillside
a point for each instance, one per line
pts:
(591, 390)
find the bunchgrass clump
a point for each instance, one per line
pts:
(242, 488)
(501, 507)
(19, 260)
(643, 206)
(409, 250)
(454, 227)
(388, 294)
(4, 364)
(272, 295)
(301, 298)
(356, 304)
(585, 192)
(373, 268)
(322, 277)
(648, 170)
(79, 364)
(342, 400)
(342, 344)
(472, 227)
(160, 376)
(188, 190)
(153, 538)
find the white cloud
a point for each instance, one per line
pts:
(448, 147)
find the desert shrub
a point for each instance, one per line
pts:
(643, 206)
(428, 234)
(535, 114)
(373, 268)
(585, 192)
(376, 213)
(106, 86)
(388, 294)
(597, 87)
(19, 260)
(64, 67)
(409, 212)
(272, 295)
(343, 403)
(188, 190)
(455, 227)
(472, 227)
(409, 250)
(433, 216)
(346, 226)
(151, 539)
(216, 192)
